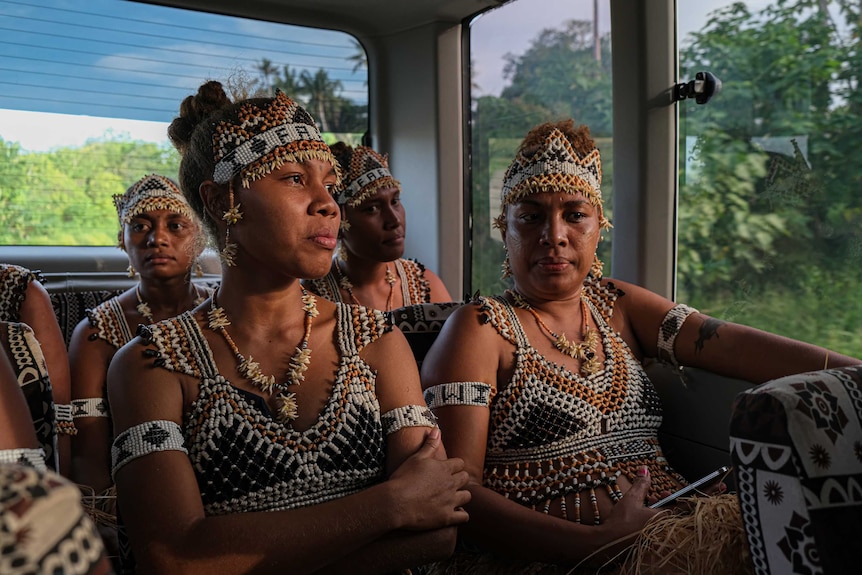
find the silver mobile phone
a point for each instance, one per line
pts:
(691, 487)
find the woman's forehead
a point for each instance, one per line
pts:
(553, 198)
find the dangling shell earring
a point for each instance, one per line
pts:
(199, 270)
(507, 268)
(596, 268)
(131, 271)
(342, 251)
(232, 216)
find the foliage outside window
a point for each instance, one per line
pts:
(119, 64)
(564, 72)
(770, 209)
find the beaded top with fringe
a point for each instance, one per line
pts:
(264, 137)
(369, 172)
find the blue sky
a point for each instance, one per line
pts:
(113, 58)
(151, 57)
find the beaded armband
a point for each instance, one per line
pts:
(669, 329)
(143, 439)
(407, 416)
(29, 456)
(90, 407)
(65, 423)
(476, 393)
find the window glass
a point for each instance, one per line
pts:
(533, 61)
(89, 89)
(769, 210)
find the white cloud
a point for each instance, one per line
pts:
(40, 132)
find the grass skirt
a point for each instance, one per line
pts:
(709, 539)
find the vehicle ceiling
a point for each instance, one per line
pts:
(363, 18)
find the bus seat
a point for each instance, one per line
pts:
(697, 406)
(421, 323)
(796, 446)
(72, 294)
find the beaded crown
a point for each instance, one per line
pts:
(555, 167)
(152, 192)
(368, 172)
(265, 135)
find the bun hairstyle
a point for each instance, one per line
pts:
(190, 136)
(234, 143)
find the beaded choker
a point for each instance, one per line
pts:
(344, 283)
(145, 310)
(287, 408)
(584, 351)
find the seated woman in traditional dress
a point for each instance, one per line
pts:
(542, 393)
(269, 430)
(162, 238)
(23, 299)
(43, 528)
(369, 269)
(18, 442)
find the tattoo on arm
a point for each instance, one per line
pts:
(708, 329)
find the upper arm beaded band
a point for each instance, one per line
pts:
(29, 456)
(476, 393)
(407, 416)
(143, 439)
(90, 407)
(63, 415)
(669, 329)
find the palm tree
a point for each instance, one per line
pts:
(359, 58)
(267, 69)
(289, 83)
(321, 91)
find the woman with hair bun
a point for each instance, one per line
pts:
(269, 430)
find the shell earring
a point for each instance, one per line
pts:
(596, 268)
(131, 271)
(507, 268)
(231, 216)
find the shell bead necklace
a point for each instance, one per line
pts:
(288, 410)
(584, 351)
(344, 283)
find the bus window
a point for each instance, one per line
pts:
(533, 61)
(769, 203)
(89, 89)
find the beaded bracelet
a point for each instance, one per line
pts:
(65, 423)
(669, 329)
(407, 416)
(476, 393)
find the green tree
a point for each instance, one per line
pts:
(321, 91)
(560, 73)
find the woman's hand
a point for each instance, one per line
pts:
(429, 491)
(630, 514)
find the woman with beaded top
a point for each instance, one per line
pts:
(369, 269)
(542, 393)
(24, 300)
(163, 238)
(268, 430)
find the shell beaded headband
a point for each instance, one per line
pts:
(264, 137)
(556, 167)
(150, 193)
(369, 172)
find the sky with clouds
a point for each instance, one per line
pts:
(159, 56)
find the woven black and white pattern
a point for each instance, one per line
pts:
(796, 445)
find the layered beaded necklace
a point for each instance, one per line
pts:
(287, 407)
(584, 351)
(344, 283)
(146, 311)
